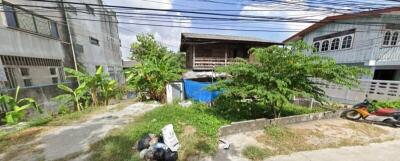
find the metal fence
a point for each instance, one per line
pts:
(375, 89)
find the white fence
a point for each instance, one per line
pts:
(375, 89)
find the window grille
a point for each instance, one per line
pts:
(27, 61)
(316, 46)
(335, 44)
(325, 45)
(347, 42)
(394, 38)
(28, 82)
(387, 38)
(11, 79)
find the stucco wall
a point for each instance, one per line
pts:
(108, 52)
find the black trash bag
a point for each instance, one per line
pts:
(159, 154)
(144, 143)
(170, 155)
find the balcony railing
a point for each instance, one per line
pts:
(209, 63)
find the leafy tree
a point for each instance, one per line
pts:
(156, 68)
(18, 107)
(280, 73)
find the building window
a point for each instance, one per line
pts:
(394, 38)
(11, 79)
(23, 19)
(10, 16)
(54, 80)
(346, 44)
(53, 71)
(386, 39)
(24, 71)
(27, 82)
(316, 46)
(335, 44)
(325, 45)
(54, 30)
(42, 25)
(90, 10)
(94, 41)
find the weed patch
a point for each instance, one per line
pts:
(195, 127)
(254, 153)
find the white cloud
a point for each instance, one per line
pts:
(285, 11)
(168, 36)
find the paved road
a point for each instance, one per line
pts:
(387, 151)
(73, 141)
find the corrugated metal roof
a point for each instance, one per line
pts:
(225, 37)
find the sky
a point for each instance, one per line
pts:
(170, 36)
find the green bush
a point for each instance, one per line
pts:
(63, 110)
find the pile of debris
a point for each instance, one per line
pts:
(159, 147)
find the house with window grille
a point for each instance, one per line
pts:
(368, 39)
(39, 39)
(205, 52)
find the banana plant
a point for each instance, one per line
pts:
(99, 85)
(77, 96)
(18, 107)
(108, 90)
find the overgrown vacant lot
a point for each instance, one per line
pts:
(278, 140)
(196, 126)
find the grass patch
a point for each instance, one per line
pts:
(254, 153)
(23, 136)
(280, 140)
(367, 129)
(195, 127)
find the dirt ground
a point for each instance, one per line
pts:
(309, 137)
(71, 142)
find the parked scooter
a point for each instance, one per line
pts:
(359, 111)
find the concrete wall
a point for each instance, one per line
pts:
(107, 53)
(260, 124)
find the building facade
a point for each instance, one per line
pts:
(36, 38)
(96, 42)
(204, 52)
(368, 39)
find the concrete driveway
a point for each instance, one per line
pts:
(383, 151)
(387, 151)
(72, 142)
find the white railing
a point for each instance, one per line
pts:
(209, 63)
(375, 89)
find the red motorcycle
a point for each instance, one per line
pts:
(388, 116)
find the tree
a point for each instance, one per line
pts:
(157, 66)
(78, 96)
(18, 107)
(280, 73)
